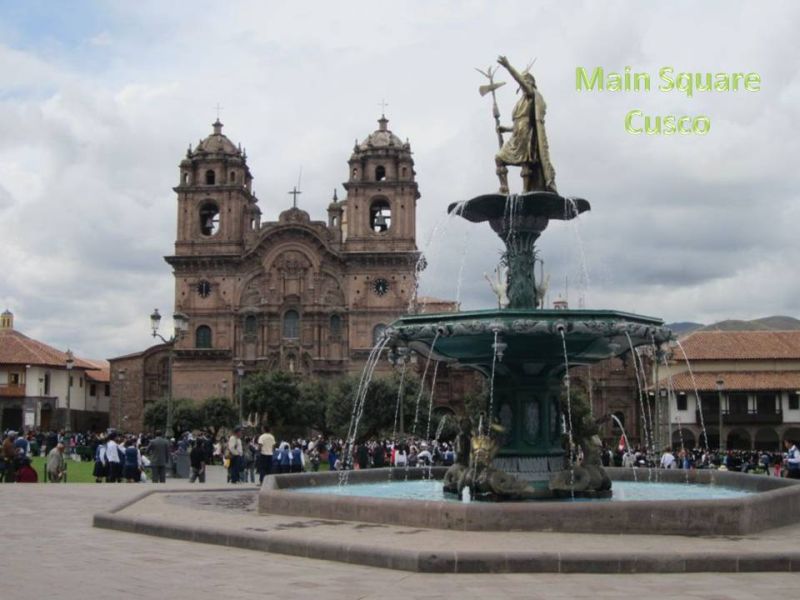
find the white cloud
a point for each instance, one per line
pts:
(684, 228)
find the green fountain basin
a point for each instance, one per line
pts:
(528, 368)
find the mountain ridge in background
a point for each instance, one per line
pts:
(773, 323)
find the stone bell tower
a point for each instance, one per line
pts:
(378, 232)
(216, 207)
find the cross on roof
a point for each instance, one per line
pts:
(218, 109)
(294, 194)
(383, 104)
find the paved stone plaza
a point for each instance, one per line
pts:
(54, 550)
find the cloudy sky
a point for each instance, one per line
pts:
(99, 101)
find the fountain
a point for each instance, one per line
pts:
(525, 350)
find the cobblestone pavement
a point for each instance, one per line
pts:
(51, 549)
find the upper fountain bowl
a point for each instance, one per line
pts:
(490, 207)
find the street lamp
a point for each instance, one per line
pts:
(181, 323)
(121, 378)
(720, 387)
(240, 373)
(70, 362)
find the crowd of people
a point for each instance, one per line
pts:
(249, 456)
(777, 464)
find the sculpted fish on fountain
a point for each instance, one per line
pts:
(522, 453)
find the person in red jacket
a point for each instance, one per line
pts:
(26, 473)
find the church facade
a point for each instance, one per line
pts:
(297, 294)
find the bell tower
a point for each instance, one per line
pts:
(378, 233)
(216, 207)
(380, 209)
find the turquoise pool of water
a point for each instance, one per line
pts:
(624, 491)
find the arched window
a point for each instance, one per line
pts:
(377, 333)
(185, 179)
(380, 173)
(209, 219)
(380, 216)
(250, 325)
(291, 325)
(405, 172)
(202, 337)
(232, 177)
(336, 326)
(210, 177)
(355, 174)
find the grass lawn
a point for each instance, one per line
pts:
(77, 472)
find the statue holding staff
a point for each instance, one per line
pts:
(527, 147)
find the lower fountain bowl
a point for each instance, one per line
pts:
(765, 503)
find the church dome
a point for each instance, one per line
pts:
(381, 138)
(218, 143)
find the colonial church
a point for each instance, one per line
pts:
(296, 294)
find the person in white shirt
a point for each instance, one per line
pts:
(668, 460)
(792, 460)
(112, 456)
(266, 446)
(236, 452)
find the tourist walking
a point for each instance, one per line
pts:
(158, 451)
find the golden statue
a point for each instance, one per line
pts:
(527, 147)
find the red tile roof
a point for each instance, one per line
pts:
(740, 345)
(18, 349)
(737, 380)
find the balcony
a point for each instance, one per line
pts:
(12, 390)
(741, 418)
(752, 418)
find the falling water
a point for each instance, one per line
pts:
(491, 386)
(569, 397)
(569, 414)
(464, 250)
(627, 443)
(671, 397)
(420, 265)
(440, 426)
(648, 439)
(422, 383)
(571, 208)
(430, 404)
(696, 393)
(590, 386)
(683, 446)
(358, 406)
(400, 390)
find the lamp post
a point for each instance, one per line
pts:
(720, 387)
(121, 378)
(70, 362)
(181, 323)
(240, 373)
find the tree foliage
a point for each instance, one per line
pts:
(274, 395)
(185, 416)
(217, 413)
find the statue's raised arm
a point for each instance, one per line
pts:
(525, 85)
(527, 146)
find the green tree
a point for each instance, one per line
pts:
(185, 416)
(217, 413)
(274, 395)
(380, 406)
(311, 409)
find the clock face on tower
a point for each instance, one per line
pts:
(380, 286)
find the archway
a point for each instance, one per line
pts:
(767, 439)
(738, 439)
(792, 434)
(682, 438)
